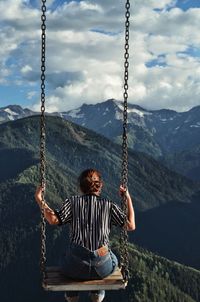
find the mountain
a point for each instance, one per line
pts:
(106, 118)
(186, 162)
(71, 148)
(14, 112)
(76, 148)
(155, 132)
(171, 230)
(151, 271)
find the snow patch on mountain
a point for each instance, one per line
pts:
(118, 115)
(108, 123)
(14, 112)
(139, 112)
(76, 113)
(10, 112)
(195, 126)
(106, 111)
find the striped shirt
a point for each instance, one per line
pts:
(90, 218)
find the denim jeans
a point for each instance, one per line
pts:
(82, 264)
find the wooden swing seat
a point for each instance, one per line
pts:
(56, 281)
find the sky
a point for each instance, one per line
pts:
(85, 49)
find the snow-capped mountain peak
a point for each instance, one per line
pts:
(13, 112)
(151, 131)
(155, 132)
(10, 112)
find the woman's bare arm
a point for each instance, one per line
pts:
(130, 210)
(49, 214)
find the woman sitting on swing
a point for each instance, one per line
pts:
(90, 217)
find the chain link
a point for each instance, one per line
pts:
(124, 176)
(42, 140)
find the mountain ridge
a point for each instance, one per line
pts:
(64, 135)
(13, 112)
(154, 132)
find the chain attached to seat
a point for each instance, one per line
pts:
(124, 176)
(123, 237)
(42, 140)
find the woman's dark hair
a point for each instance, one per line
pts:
(90, 181)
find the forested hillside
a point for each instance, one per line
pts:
(70, 149)
(73, 148)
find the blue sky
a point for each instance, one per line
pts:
(85, 53)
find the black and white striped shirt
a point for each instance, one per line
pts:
(90, 218)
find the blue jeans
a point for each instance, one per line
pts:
(82, 264)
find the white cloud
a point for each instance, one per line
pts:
(85, 52)
(31, 94)
(25, 69)
(4, 73)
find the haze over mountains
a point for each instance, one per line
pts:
(70, 149)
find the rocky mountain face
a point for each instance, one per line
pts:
(106, 118)
(156, 133)
(14, 112)
(70, 149)
(170, 136)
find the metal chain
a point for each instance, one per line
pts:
(42, 140)
(124, 236)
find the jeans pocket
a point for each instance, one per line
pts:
(103, 265)
(102, 260)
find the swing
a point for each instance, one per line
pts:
(52, 278)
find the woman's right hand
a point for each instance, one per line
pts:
(38, 194)
(124, 191)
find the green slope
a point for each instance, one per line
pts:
(153, 278)
(70, 149)
(74, 148)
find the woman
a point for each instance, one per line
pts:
(90, 218)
